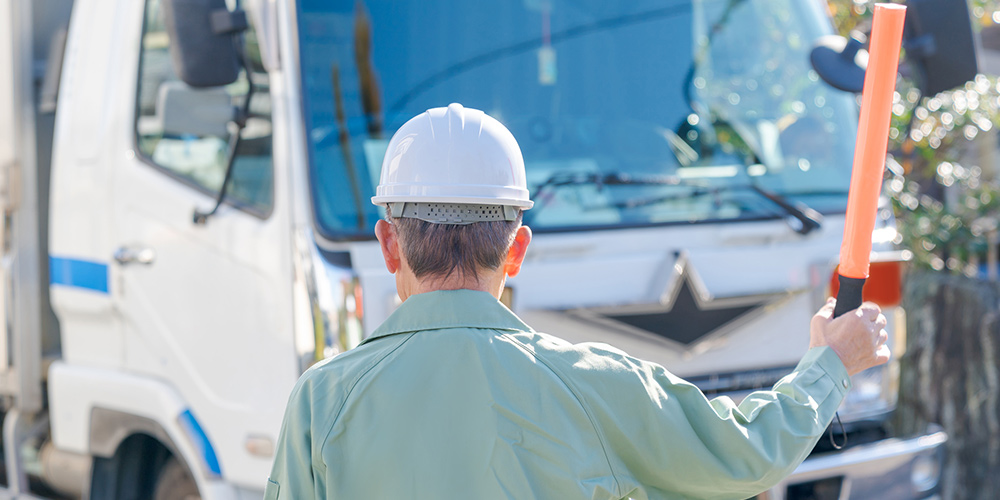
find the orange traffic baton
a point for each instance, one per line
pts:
(869, 154)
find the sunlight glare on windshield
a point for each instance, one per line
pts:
(715, 90)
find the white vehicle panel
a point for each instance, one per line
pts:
(75, 391)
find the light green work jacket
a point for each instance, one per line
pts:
(454, 397)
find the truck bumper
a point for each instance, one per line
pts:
(890, 468)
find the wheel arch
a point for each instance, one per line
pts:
(109, 415)
(129, 453)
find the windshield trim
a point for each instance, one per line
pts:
(301, 124)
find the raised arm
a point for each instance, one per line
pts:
(663, 437)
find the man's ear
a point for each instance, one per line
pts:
(515, 256)
(389, 243)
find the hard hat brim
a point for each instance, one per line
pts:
(522, 204)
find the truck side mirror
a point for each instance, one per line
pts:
(840, 61)
(939, 42)
(203, 48)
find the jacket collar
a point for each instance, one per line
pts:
(449, 309)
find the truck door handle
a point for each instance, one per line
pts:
(126, 255)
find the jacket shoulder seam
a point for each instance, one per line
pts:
(579, 398)
(350, 391)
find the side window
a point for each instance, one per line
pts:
(185, 131)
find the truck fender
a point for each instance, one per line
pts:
(94, 410)
(109, 428)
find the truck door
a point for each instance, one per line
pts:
(206, 307)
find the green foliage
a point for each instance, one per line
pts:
(949, 234)
(850, 13)
(942, 199)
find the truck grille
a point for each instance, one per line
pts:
(685, 322)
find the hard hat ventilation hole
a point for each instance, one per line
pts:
(454, 213)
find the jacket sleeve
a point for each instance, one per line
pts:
(292, 473)
(664, 438)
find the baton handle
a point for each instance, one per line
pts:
(849, 295)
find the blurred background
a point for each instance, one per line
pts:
(186, 221)
(942, 180)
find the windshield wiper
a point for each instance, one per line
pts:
(612, 179)
(807, 218)
(600, 180)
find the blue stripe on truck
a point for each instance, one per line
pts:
(200, 440)
(78, 273)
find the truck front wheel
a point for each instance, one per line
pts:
(175, 483)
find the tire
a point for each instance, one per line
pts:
(175, 483)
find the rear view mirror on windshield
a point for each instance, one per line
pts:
(204, 50)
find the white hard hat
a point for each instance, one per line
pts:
(453, 165)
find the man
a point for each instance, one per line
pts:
(454, 397)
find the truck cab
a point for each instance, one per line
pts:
(689, 170)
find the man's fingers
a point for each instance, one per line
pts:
(859, 338)
(882, 355)
(870, 311)
(826, 311)
(881, 321)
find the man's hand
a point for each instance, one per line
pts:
(857, 336)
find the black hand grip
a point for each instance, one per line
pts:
(849, 295)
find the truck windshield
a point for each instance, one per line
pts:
(703, 98)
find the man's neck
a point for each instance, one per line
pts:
(491, 283)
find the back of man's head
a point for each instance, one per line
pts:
(435, 250)
(453, 186)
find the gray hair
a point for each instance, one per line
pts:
(439, 250)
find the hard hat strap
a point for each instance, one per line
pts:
(453, 213)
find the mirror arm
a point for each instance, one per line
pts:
(240, 120)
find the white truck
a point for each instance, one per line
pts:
(689, 170)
